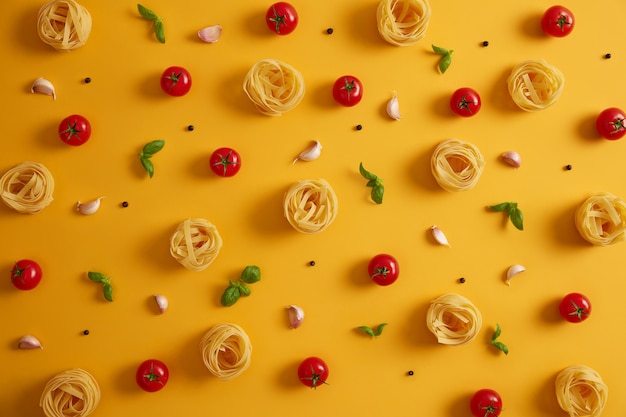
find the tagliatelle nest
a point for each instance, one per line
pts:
(601, 219)
(453, 319)
(535, 85)
(310, 206)
(27, 187)
(195, 244)
(581, 392)
(71, 393)
(63, 24)
(457, 165)
(403, 22)
(226, 351)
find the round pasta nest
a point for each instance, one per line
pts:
(457, 165)
(226, 351)
(71, 393)
(63, 24)
(601, 219)
(453, 319)
(403, 22)
(274, 86)
(535, 85)
(27, 187)
(580, 391)
(310, 205)
(195, 244)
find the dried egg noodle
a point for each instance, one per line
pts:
(601, 219)
(195, 244)
(403, 22)
(456, 165)
(453, 319)
(63, 24)
(274, 86)
(226, 351)
(310, 205)
(27, 187)
(581, 392)
(71, 393)
(535, 85)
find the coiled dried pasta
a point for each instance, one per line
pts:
(310, 206)
(535, 85)
(27, 187)
(71, 393)
(453, 319)
(601, 219)
(274, 86)
(195, 244)
(403, 22)
(457, 165)
(581, 392)
(63, 24)
(226, 351)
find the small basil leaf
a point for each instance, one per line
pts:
(96, 276)
(251, 274)
(500, 207)
(107, 291)
(230, 296)
(153, 147)
(366, 174)
(501, 346)
(377, 194)
(146, 13)
(159, 31)
(440, 51)
(517, 218)
(373, 183)
(148, 166)
(497, 333)
(379, 329)
(368, 330)
(444, 63)
(243, 289)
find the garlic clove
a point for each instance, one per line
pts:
(161, 302)
(512, 158)
(513, 271)
(210, 34)
(90, 207)
(393, 107)
(439, 236)
(310, 154)
(29, 342)
(296, 316)
(43, 86)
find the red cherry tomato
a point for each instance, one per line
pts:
(486, 403)
(26, 274)
(225, 162)
(176, 81)
(348, 91)
(281, 18)
(557, 21)
(465, 102)
(611, 123)
(75, 130)
(152, 375)
(575, 307)
(313, 372)
(383, 269)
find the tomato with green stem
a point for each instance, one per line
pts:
(281, 18)
(575, 307)
(557, 21)
(176, 81)
(225, 162)
(313, 372)
(348, 91)
(486, 403)
(383, 269)
(75, 130)
(152, 375)
(611, 123)
(465, 102)
(26, 274)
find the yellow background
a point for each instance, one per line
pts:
(367, 376)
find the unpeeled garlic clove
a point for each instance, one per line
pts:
(439, 236)
(161, 302)
(43, 86)
(393, 107)
(210, 34)
(296, 316)
(512, 158)
(512, 271)
(29, 342)
(90, 207)
(311, 153)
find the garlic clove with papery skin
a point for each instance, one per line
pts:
(210, 34)
(393, 107)
(439, 236)
(512, 158)
(29, 342)
(296, 316)
(309, 154)
(513, 271)
(43, 86)
(161, 302)
(89, 207)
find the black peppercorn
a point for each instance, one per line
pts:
(410, 373)
(462, 280)
(485, 43)
(568, 167)
(190, 128)
(312, 263)
(607, 56)
(359, 127)
(85, 332)
(329, 31)
(87, 80)
(125, 204)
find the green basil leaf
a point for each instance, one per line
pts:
(146, 13)
(444, 63)
(500, 207)
(148, 166)
(243, 289)
(379, 329)
(377, 194)
(368, 330)
(153, 147)
(440, 51)
(107, 291)
(230, 296)
(497, 333)
(159, 30)
(501, 346)
(96, 276)
(517, 218)
(373, 183)
(366, 174)
(251, 274)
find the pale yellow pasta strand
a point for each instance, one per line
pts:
(601, 219)
(403, 22)
(195, 244)
(581, 392)
(63, 24)
(274, 86)
(226, 351)
(457, 165)
(535, 85)
(310, 206)
(453, 319)
(71, 393)
(27, 187)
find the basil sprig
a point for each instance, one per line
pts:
(446, 58)
(107, 289)
(236, 289)
(157, 21)
(496, 343)
(374, 332)
(147, 152)
(376, 183)
(513, 211)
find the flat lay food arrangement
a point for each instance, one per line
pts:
(408, 207)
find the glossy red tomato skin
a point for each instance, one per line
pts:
(176, 81)
(348, 91)
(313, 372)
(152, 375)
(575, 307)
(26, 274)
(557, 21)
(383, 269)
(486, 403)
(611, 123)
(225, 162)
(465, 102)
(281, 18)
(75, 130)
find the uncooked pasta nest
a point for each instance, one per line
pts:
(27, 187)
(71, 393)
(601, 219)
(457, 165)
(403, 22)
(226, 351)
(274, 86)
(63, 24)
(310, 205)
(580, 391)
(535, 85)
(195, 244)
(453, 319)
